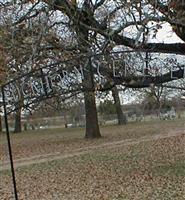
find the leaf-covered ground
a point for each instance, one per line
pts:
(39, 142)
(152, 170)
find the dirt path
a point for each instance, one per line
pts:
(81, 151)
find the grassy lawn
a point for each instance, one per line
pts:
(63, 140)
(151, 170)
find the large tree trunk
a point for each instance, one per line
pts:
(17, 125)
(1, 127)
(121, 116)
(65, 120)
(92, 127)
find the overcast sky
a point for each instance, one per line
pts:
(166, 35)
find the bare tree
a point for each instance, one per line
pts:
(90, 27)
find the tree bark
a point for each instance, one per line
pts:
(17, 126)
(122, 120)
(65, 120)
(158, 106)
(176, 48)
(92, 126)
(1, 127)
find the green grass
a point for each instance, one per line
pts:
(171, 169)
(79, 132)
